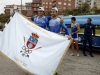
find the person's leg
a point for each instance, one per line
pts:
(72, 45)
(90, 46)
(84, 45)
(77, 47)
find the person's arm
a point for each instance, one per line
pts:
(64, 26)
(47, 24)
(93, 30)
(32, 18)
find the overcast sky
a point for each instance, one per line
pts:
(3, 3)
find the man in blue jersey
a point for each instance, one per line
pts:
(40, 20)
(56, 23)
(75, 28)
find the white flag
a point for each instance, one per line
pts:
(34, 49)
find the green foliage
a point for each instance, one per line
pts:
(75, 11)
(96, 10)
(83, 9)
(4, 18)
(66, 11)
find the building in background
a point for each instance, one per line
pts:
(97, 2)
(9, 9)
(26, 9)
(31, 8)
(47, 4)
(35, 5)
(79, 2)
(29, 11)
(60, 4)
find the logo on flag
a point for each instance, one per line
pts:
(31, 44)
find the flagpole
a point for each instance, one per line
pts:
(21, 6)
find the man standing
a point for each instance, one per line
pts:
(40, 20)
(57, 22)
(88, 28)
(75, 28)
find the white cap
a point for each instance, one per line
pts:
(41, 8)
(55, 8)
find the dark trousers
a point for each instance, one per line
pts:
(89, 39)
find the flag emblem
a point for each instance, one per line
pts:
(31, 44)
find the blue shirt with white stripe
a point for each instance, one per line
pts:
(74, 29)
(40, 21)
(55, 25)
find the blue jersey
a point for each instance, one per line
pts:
(74, 29)
(55, 25)
(42, 22)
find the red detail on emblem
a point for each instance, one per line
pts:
(30, 45)
(35, 35)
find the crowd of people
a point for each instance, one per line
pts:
(55, 23)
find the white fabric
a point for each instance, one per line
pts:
(44, 57)
(55, 8)
(41, 8)
(74, 24)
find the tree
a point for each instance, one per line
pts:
(76, 11)
(96, 10)
(79, 9)
(66, 11)
(85, 7)
(4, 18)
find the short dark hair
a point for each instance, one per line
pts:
(90, 19)
(73, 18)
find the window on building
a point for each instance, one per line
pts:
(37, 4)
(46, 6)
(59, 3)
(59, 7)
(64, 3)
(30, 8)
(50, 3)
(34, 8)
(43, 2)
(64, 8)
(15, 7)
(11, 10)
(46, 2)
(69, 4)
